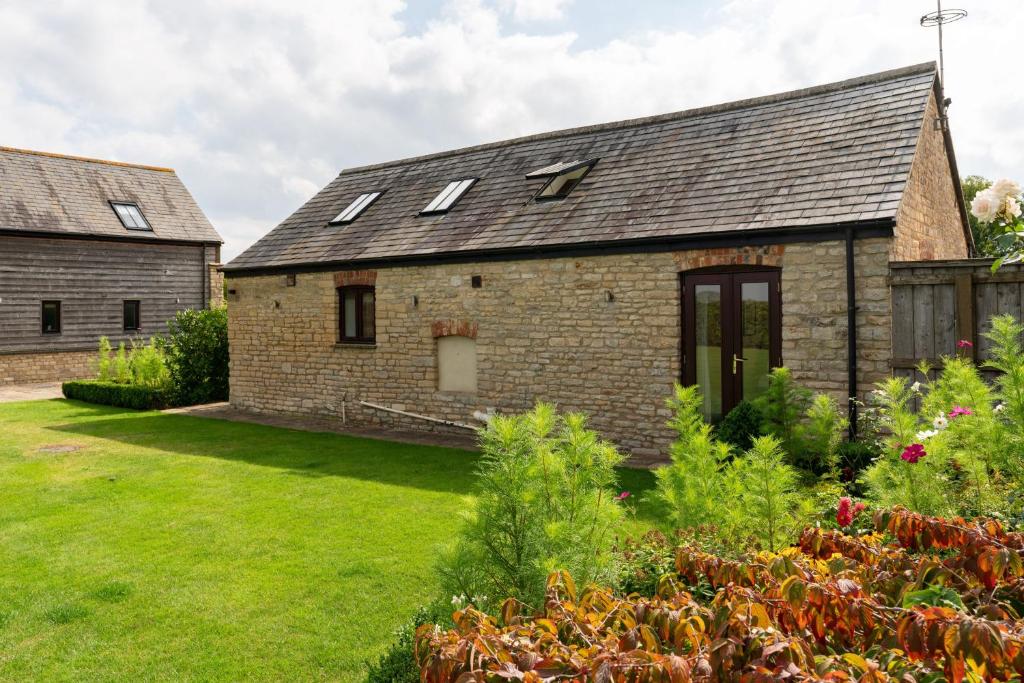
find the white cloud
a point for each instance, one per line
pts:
(536, 10)
(259, 103)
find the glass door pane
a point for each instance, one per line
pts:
(708, 360)
(755, 331)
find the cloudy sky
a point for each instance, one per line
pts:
(259, 103)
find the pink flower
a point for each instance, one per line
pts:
(844, 515)
(964, 344)
(913, 453)
(958, 411)
(858, 508)
(623, 496)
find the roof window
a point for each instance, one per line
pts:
(449, 195)
(130, 215)
(352, 211)
(562, 178)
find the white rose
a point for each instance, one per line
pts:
(985, 206)
(1005, 188)
(1012, 207)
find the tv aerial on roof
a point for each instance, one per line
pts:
(939, 18)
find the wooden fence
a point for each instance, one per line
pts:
(936, 304)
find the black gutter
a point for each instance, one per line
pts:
(851, 333)
(86, 237)
(817, 233)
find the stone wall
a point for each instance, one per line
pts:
(598, 334)
(814, 315)
(37, 368)
(928, 224)
(216, 280)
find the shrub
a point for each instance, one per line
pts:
(768, 498)
(103, 365)
(940, 603)
(693, 487)
(742, 499)
(120, 369)
(783, 406)
(961, 452)
(546, 500)
(741, 426)
(822, 435)
(197, 355)
(144, 364)
(398, 663)
(809, 426)
(116, 394)
(148, 364)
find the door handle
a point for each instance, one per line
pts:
(736, 360)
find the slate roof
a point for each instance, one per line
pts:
(824, 156)
(66, 195)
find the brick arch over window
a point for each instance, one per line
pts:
(349, 278)
(454, 328)
(767, 255)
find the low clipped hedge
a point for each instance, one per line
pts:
(114, 394)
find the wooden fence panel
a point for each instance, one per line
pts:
(936, 304)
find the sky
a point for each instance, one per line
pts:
(259, 103)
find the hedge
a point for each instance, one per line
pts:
(114, 394)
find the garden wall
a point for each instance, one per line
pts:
(599, 334)
(37, 368)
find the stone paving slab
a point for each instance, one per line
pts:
(29, 392)
(224, 411)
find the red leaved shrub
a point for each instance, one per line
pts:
(922, 597)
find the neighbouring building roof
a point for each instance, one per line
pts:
(42, 192)
(833, 155)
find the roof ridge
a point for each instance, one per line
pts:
(91, 160)
(879, 77)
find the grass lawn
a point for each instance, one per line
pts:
(144, 546)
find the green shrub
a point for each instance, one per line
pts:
(148, 364)
(961, 453)
(693, 487)
(852, 458)
(398, 663)
(822, 434)
(745, 500)
(808, 426)
(741, 426)
(121, 370)
(197, 355)
(768, 500)
(116, 394)
(143, 364)
(783, 406)
(103, 369)
(546, 500)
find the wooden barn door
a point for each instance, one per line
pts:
(732, 335)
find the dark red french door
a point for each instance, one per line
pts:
(732, 335)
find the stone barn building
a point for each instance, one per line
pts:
(596, 266)
(92, 248)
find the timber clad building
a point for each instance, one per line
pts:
(92, 248)
(595, 267)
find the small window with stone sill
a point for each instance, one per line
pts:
(357, 315)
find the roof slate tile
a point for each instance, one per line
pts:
(821, 156)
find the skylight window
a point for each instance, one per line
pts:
(352, 211)
(130, 215)
(449, 195)
(562, 178)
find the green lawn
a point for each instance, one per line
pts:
(172, 547)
